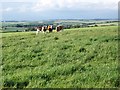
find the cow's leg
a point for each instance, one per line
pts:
(50, 30)
(44, 31)
(37, 32)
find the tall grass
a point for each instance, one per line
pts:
(83, 58)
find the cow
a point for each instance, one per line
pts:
(59, 28)
(39, 29)
(50, 28)
(44, 28)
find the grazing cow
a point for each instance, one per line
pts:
(50, 28)
(39, 29)
(59, 28)
(44, 28)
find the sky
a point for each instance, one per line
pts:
(58, 9)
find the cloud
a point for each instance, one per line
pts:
(23, 9)
(18, 0)
(60, 9)
(18, 7)
(43, 5)
(8, 9)
(48, 5)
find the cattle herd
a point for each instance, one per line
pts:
(48, 28)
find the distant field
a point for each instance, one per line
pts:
(84, 58)
(66, 23)
(13, 29)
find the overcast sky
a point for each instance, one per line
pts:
(58, 9)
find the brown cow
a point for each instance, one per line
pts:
(50, 28)
(39, 29)
(59, 28)
(44, 28)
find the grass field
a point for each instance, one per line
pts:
(84, 58)
(14, 29)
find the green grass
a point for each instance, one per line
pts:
(84, 58)
(13, 29)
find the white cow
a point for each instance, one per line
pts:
(44, 29)
(39, 29)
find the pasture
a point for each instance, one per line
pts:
(81, 57)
